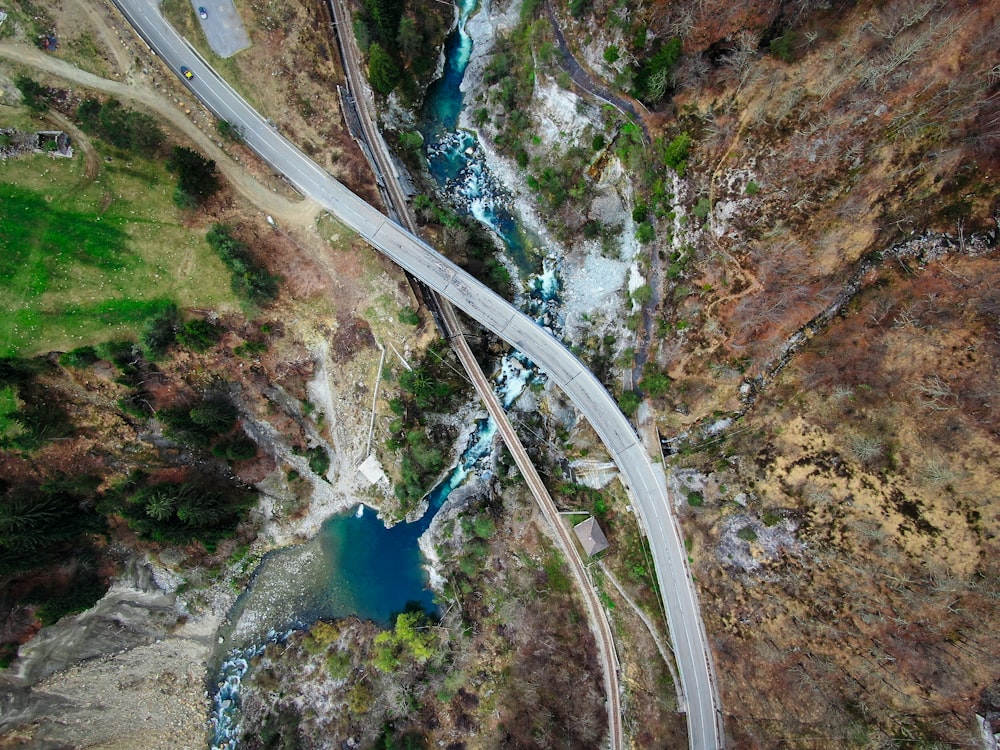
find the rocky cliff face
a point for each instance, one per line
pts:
(131, 670)
(128, 671)
(813, 188)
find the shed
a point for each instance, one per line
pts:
(372, 470)
(591, 537)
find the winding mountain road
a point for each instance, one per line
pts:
(447, 318)
(645, 480)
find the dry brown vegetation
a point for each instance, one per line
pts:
(880, 446)
(883, 124)
(850, 590)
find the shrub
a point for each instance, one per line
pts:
(611, 54)
(695, 499)
(675, 153)
(84, 594)
(161, 331)
(529, 9)
(338, 665)
(645, 233)
(250, 348)
(654, 382)
(361, 34)
(136, 405)
(34, 95)
(82, 356)
(123, 128)
(249, 278)
(197, 177)
(556, 576)
(600, 507)
(360, 698)
(629, 402)
(747, 534)
(428, 392)
(783, 47)
(484, 527)
(643, 294)
(199, 335)
(230, 131)
(867, 449)
(409, 315)
(124, 354)
(411, 140)
(321, 636)
(592, 229)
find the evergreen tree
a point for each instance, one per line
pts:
(197, 177)
(161, 331)
(216, 414)
(383, 71)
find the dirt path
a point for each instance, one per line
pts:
(297, 213)
(91, 161)
(109, 36)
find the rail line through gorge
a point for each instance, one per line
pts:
(644, 479)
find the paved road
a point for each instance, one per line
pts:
(582, 77)
(223, 27)
(645, 480)
(385, 172)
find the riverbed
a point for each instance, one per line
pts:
(356, 565)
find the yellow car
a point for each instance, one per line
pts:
(186, 72)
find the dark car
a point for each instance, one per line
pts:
(186, 72)
(202, 13)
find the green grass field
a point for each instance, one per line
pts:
(86, 259)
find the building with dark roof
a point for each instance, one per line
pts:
(591, 537)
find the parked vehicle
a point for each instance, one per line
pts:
(202, 12)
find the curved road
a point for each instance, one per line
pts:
(386, 173)
(645, 480)
(582, 77)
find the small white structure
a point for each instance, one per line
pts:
(372, 470)
(591, 537)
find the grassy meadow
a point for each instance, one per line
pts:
(90, 257)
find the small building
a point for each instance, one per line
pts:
(54, 143)
(591, 537)
(372, 470)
